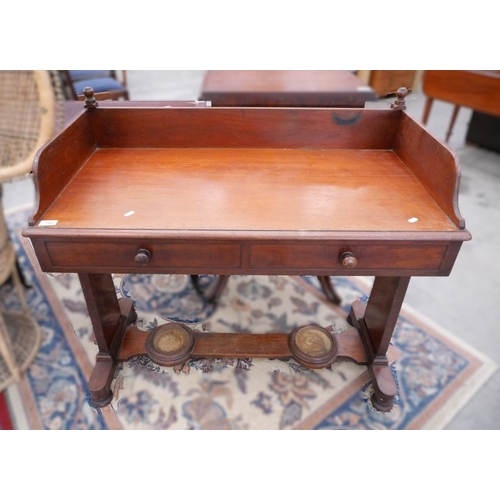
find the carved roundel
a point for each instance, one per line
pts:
(313, 346)
(170, 344)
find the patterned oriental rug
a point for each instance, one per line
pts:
(436, 373)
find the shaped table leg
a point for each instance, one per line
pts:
(329, 290)
(110, 318)
(375, 322)
(215, 291)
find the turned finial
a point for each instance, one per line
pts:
(399, 102)
(90, 100)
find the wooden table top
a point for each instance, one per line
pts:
(248, 173)
(244, 189)
(321, 88)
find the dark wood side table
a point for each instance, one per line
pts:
(322, 88)
(479, 90)
(346, 192)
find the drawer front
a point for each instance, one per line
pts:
(370, 258)
(235, 257)
(162, 257)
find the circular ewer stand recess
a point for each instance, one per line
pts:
(170, 344)
(313, 346)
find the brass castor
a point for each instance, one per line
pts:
(170, 344)
(313, 346)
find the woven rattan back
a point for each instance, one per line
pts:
(7, 255)
(28, 114)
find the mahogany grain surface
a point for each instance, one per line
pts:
(248, 190)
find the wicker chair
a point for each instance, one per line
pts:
(28, 116)
(19, 333)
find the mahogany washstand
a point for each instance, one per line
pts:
(152, 188)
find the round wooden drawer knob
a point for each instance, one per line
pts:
(143, 257)
(348, 260)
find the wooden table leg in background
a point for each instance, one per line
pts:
(375, 322)
(454, 115)
(329, 290)
(216, 291)
(109, 317)
(427, 110)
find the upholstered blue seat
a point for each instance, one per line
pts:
(85, 74)
(102, 81)
(98, 84)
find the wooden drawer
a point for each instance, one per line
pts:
(372, 258)
(235, 257)
(120, 256)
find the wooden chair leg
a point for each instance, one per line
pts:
(195, 282)
(329, 290)
(427, 109)
(456, 109)
(215, 291)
